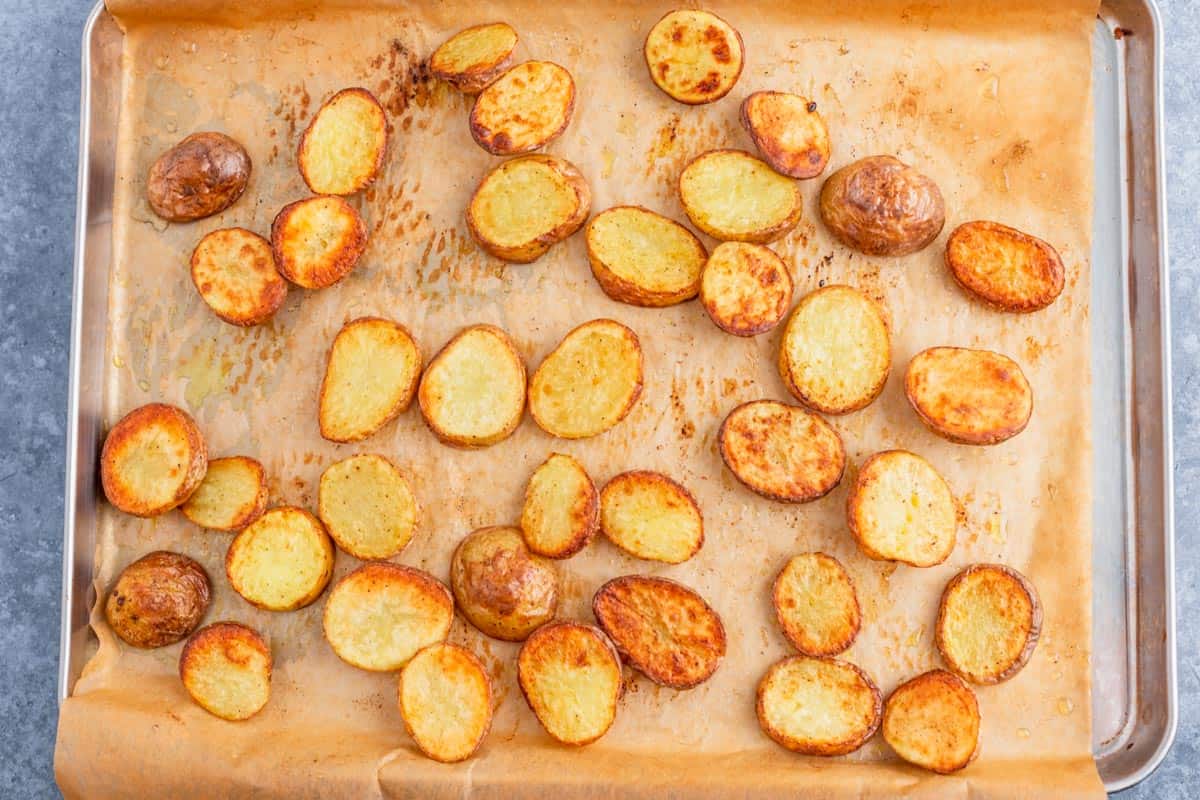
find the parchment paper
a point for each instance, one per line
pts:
(991, 100)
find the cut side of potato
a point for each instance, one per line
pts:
(570, 674)
(382, 614)
(836, 352)
(526, 205)
(650, 516)
(788, 131)
(644, 259)
(900, 509)
(473, 392)
(661, 628)
(234, 272)
(152, 460)
(933, 721)
(969, 396)
(818, 706)
(202, 175)
(989, 623)
(882, 207)
(281, 561)
(445, 699)
(782, 452)
(589, 382)
(1005, 268)
(318, 241)
(342, 149)
(472, 58)
(562, 508)
(501, 588)
(524, 109)
(745, 288)
(694, 56)
(816, 605)
(232, 495)
(370, 379)
(733, 196)
(226, 668)
(158, 599)
(367, 506)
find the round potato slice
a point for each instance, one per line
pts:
(152, 460)
(788, 131)
(733, 196)
(1005, 268)
(661, 628)
(382, 614)
(900, 509)
(694, 56)
(226, 668)
(933, 721)
(318, 241)
(562, 508)
(745, 288)
(342, 149)
(370, 378)
(200, 176)
(644, 259)
(988, 623)
(650, 516)
(882, 207)
(281, 561)
(969, 396)
(367, 506)
(816, 605)
(782, 452)
(570, 674)
(818, 706)
(836, 352)
(234, 272)
(158, 599)
(472, 58)
(501, 588)
(445, 699)
(232, 495)
(524, 109)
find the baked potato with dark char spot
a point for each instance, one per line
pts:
(882, 207)
(202, 175)
(158, 600)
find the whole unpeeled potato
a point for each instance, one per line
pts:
(882, 207)
(501, 587)
(158, 599)
(202, 175)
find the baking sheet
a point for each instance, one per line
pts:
(994, 105)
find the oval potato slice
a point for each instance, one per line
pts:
(969, 396)
(933, 721)
(694, 56)
(317, 241)
(524, 109)
(745, 288)
(158, 599)
(650, 516)
(989, 622)
(818, 706)
(370, 378)
(232, 495)
(233, 269)
(644, 259)
(816, 604)
(281, 561)
(446, 678)
(562, 508)
(202, 175)
(733, 196)
(788, 131)
(882, 207)
(570, 674)
(782, 452)
(500, 587)
(1005, 268)
(472, 58)
(900, 509)
(226, 668)
(367, 506)
(342, 149)
(152, 460)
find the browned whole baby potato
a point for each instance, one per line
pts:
(501, 587)
(988, 623)
(782, 452)
(694, 56)
(933, 721)
(158, 599)
(1005, 268)
(472, 58)
(818, 706)
(969, 396)
(882, 207)
(234, 272)
(153, 459)
(788, 131)
(524, 109)
(202, 175)
(226, 668)
(318, 241)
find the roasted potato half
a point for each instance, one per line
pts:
(988, 623)
(1005, 268)
(900, 509)
(318, 241)
(370, 378)
(818, 706)
(367, 506)
(969, 396)
(882, 207)
(650, 516)
(735, 197)
(788, 131)
(661, 628)
(644, 259)
(524, 109)
(158, 599)
(445, 698)
(472, 58)
(343, 147)
(200, 176)
(234, 272)
(933, 721)
(782, 452)
(226, 668)
(562, 508)
(232, 495)
(589, 382)
(570, 674)
(816, 604)
(745, 288)
(694, 56)
(281, 561)
(502, 588)
(152, 460)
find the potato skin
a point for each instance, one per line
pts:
(502, 588)
(202, 175)
(1032, 637)
(158, 600)
(1004, 280)
(119, 491)
(882, 207)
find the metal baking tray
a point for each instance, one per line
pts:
(1134, 696)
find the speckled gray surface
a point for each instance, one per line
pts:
(39, 95)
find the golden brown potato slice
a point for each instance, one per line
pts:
(788, 131)
(650, 516)
(818, 706)
(900, 509)
(745, 288)
(342, 149)
(836, 352)
(524, 109)
(969, 396)
(816, 604)
(281, 561)
(234, 272)
(661, 628)
(562, 508)
(782, 452)
(472, 58)
(202, 175)
(473, 392)
(589, 382)
(152, 460)
(933, 721)
(226, 668)
(317, 241)
(644, 259)
(367, 506)
(158, 599)
(989, 623)
(694, 56)
(1005, 268)
(500, 587)
(370, 378)
(382, 614)
(733, 196)
(232, 495)
(445, 699)
(882, 207)
(570, 674)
